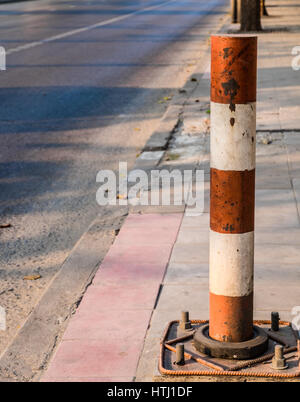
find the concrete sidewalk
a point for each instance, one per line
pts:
(158, 265)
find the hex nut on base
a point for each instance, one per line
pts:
(276, 365)
(231, 350)
(278, 361)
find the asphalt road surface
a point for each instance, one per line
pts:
(82, 91)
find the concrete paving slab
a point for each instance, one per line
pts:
(193, 235)
(268, 121)
(292, 138)
(278, 254)
(286, 235)
(275, 208)
(273, 182)
(296, 186)
(148, 363)
(293, 151)
(270, 151)
(269, 198)
(186, 274)
(289, 115)
(268, 274)
(268, 174)
(265, 165)
(276, 297)
(201, 221)
(190, 253)
(177, 298)
(276, 216)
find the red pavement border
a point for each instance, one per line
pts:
(105, 337)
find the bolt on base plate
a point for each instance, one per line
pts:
(231, 350)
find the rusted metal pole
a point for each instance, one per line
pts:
(233, 138)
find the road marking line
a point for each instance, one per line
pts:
(84, 29)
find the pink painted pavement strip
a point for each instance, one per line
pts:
(108, 324)
(104, 339)
(87, 379)
(133, 253)
(119, 297)
(150, 236)
(129, 273)
(91, 358)
(162, 221)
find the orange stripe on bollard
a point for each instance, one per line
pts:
(233, 69)
(235, 318)
(232, 201)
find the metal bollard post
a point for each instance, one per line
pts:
(231, 333)
(233, 139)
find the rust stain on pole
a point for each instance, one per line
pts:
(232, 201)
(233, 70)
(237, 322)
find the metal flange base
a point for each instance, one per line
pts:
(231, 350)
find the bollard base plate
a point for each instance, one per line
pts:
(231, 350)
(200, 364)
